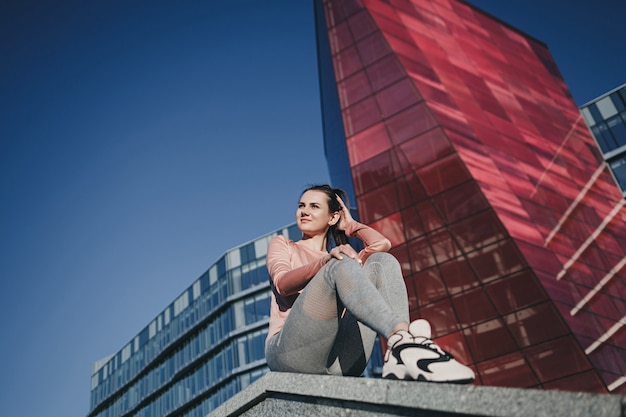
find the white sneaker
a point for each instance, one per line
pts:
(413, 355)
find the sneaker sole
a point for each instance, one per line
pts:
(422, 378)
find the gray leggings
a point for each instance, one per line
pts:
(320, 337)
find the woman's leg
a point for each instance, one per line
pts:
(316, 325)
(354, 342)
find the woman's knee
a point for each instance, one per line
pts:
(346, 265)
(343, 271)
(384, 258)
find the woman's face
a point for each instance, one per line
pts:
(313, 215)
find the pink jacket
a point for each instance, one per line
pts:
(291, 266)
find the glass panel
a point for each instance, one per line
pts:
(233, 259)
(428, 147)
(361, 115)
(584, 382)
(412, 223)
(536, 324)
(246, 279)
(444, 246)
(619, 100)
(460, 202)
(596, 258)
(361, 25)
(333, 13)
(372, 173)
(249, 311)
(392, 227)
(603, 136)
(260, 344)
(473, 307)
(557, 358)
(507, 371)
(376, 204)
(401, 254)
(430, 216)
(405, 48)
(346, 63)
(385, 72)
(410, 190)
(443, 174)
(429, 286)
(422, 72)
(441, 317)
(397, 97)
(496, 261)
(516, 292)
(618, 130)
(478, 231)
(235, 280)
(489, 340)
(367, 144)
(410, 123)
(373, 48)
(339, 37)
(421, 254)
(593, 109)
(609, 357)
(619, 170)
(238, 311)
(353, 89)
(606, 107)
(386, 20)
(458, 276)
(263, 306)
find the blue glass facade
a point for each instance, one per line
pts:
(201, 350)
(606, 118)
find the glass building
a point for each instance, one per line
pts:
(202, 349)
(606, 117)
(465, 148)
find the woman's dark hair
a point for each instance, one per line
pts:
(334, 234)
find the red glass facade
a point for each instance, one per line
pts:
(467, 150)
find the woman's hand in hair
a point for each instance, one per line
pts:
(346, 218)
(341, 251)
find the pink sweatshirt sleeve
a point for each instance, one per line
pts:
(286, 279)
(373, 240)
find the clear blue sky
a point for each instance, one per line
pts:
(141, 140)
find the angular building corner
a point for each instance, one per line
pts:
(464, 147)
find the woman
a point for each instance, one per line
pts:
(329, 301)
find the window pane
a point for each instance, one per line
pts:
(249, 311)
(373, 48)
(262, 306)
(397, 97)
(620, 105)
(619, 170)
(618, 130)
(353, 89)
(606, 107)
(372, 173)
(603, 138)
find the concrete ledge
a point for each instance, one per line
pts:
(284, 394)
